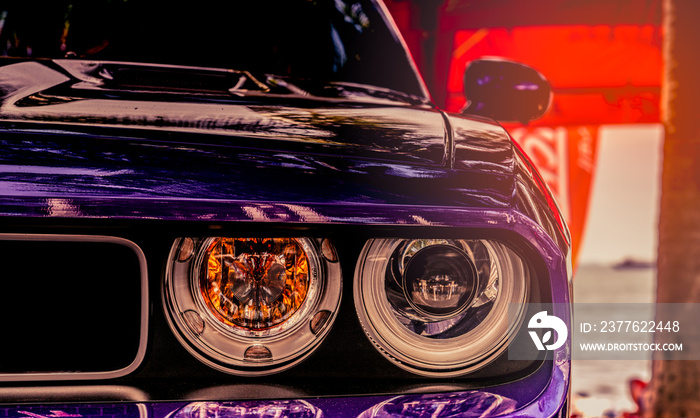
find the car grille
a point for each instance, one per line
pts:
(71, 306)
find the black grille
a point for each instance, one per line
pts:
(68, 306)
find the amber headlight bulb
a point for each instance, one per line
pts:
(254, 283)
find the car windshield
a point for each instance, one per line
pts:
(334, 41)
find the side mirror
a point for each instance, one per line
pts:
(505, 90)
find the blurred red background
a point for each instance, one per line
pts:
(603, 59)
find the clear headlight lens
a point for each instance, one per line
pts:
(251, 305)
(438, 307)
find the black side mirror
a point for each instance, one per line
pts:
(506, 91)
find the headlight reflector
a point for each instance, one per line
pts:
(438, 307)
(439, 281)
(254, 283)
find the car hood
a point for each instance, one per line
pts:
(234, 106)
(80, 146)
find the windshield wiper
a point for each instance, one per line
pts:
(276, 81)
(243, 77)
(340, 90)
(357, 90)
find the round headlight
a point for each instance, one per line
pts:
(251, 306)
(439, 307)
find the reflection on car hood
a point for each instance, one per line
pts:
(222, 102)
(86, 149)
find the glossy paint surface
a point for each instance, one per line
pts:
(87, 153)
(77, 151)
(349, 120)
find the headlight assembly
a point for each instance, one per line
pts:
(251, 306)
(439, 307)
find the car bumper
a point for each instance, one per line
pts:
(509, 400)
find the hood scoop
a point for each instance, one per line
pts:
(89, 95)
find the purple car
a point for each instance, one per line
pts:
(216, 209)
